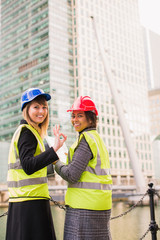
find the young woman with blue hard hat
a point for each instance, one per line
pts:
(29, 214)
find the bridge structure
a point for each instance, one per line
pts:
(139, 178)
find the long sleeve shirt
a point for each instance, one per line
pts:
(72, 172)
(27, 146)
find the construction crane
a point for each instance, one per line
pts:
(139, 178)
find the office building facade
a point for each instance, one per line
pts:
(154, 96)
(52, 45)
(154, 110)
(154, 56)
(121, 36)
(36, 51)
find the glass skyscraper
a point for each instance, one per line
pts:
(36, 41)
(122, 39)
(52, 45)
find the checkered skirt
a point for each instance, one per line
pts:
(82, 224)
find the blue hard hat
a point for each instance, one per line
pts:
(31, 94)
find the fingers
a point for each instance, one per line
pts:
(56, 129)
(64, 137)
(58, 134)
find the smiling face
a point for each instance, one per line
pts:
(38, 112)
(79, 120)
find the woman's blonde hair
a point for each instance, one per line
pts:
(42, 127)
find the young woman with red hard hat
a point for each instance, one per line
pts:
(89, 194)
(29, 214)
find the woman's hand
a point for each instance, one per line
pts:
(60, 138)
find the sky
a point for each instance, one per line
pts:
(150, 14)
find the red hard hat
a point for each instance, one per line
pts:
(83, 104)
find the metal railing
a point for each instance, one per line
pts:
(153, 226)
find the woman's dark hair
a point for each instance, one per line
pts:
(91, 118)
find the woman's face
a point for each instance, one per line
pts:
(79, 120)
(38, 112)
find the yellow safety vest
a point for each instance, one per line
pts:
(23, 187)
(94, 189)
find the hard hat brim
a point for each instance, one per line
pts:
(94, 111)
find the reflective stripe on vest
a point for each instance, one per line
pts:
(16, 165)
(91, 185)
(26, 182)
(21, 186)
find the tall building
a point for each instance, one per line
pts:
(154, 110)
(53, 45)
(154, 100)
(154, 42)
(156, 158)
(122, 38)
(36, 39)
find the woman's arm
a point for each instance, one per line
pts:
(27, 145)
(72, 172)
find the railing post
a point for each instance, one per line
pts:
(153, 226)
